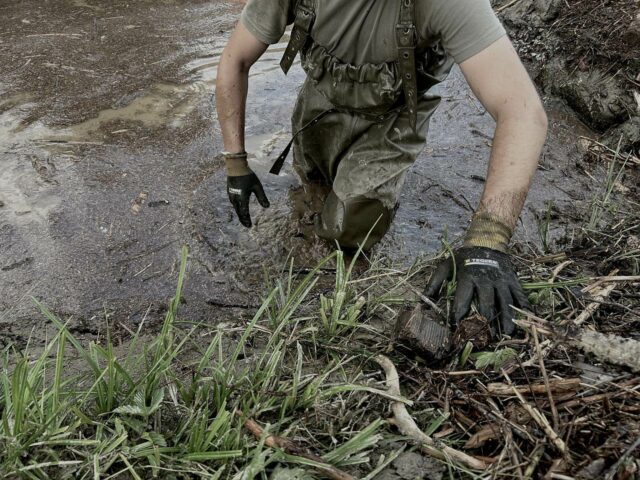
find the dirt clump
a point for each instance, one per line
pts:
(413, 466)
(586, 52)
(475, 329)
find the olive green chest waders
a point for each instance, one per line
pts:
(360, 127)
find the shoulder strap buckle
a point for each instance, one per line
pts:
(406, 35)
(305, 16)
(407, 40)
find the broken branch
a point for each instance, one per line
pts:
(562, 385)
(542, 421)
(291, 448)
(547, 383)
(600, 294)
(409, 428)
(607, 347)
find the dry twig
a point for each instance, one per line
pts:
(291, 448)
(534, 461)
(599, 294)
(554, 410)
(426, 300)
(614, 468)
(563, 385)
(408, 427)
(482, 436)
(542, 421)
(504, 7)
(583, 401)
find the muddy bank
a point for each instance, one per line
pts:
(588, 54)
(76, 58)
(109, 146)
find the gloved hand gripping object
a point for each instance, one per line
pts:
(483, 269)
(241, 183)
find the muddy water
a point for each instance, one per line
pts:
(93, 212)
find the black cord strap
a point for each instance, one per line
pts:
(277, 165)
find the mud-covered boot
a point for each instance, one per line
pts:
(354, 222)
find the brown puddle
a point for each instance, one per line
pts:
(161, 105)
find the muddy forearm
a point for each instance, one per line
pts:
(517, 145)
(231, 97)
(502, 84)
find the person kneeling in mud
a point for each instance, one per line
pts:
(362, 116)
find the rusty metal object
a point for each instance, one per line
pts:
(418, 330)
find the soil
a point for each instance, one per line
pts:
(586, 52)
(109, 146)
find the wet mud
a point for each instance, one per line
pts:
(109, 149)
(590, 60)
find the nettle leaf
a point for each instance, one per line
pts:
(139, 406)
(155, 438)
(495, 359)
(156, 400)
(131, 410)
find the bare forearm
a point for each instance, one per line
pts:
(231, 97)
(502, 84)
(517, 145)
(239, 55)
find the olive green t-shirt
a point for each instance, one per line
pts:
(363, 31)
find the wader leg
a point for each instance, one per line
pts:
(364, 162)
(359, 221)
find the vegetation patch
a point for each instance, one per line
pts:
(307, 387)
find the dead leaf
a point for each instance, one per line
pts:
(482, 436)
(138, 202)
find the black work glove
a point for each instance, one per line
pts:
(240, 189)
(241, 183)
(486, 274)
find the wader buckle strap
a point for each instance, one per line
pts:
(407, 40)
(302, 24)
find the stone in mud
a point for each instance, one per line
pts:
(549, 9)
(418, 330)
(592, 471)
(413, 466)
(632, 33)
(627, 135)
(599, 98)
(475, 329)
(283, 473)
(524, 13)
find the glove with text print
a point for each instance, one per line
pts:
(483, 272)
(241, 183)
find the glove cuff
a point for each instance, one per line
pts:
(487, 231)
(236, 164)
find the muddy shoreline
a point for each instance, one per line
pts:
(588, 54)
